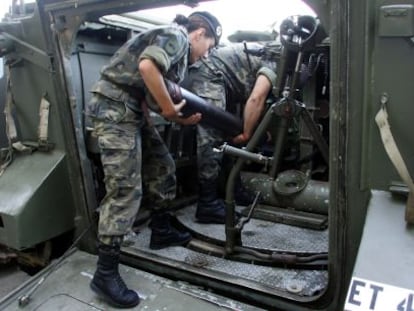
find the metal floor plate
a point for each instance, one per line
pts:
(305, 283)
(67, 288)
(265, 234)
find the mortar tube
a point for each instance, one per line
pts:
(212, 116)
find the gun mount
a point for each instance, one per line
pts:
(299, 36)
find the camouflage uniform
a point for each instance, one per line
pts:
(224, 79)
(126, 138)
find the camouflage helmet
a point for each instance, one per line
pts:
(213, 23)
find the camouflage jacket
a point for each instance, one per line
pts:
(167, 46)
(228, 74)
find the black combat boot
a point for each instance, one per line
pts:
(107, 282)
(210, 208)
(164, 234)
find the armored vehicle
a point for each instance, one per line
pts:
(323, 186)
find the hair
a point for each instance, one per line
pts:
(193, 23)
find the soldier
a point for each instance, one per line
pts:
(131, 149)
(231, 74)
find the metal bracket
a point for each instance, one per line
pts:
(30, 53)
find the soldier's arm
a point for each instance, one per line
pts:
(254, 107)
(154, 81)
(155, 61)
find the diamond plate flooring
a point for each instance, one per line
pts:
(257, 234)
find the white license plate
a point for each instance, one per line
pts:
(365, 295)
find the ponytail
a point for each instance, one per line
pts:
(182, 20)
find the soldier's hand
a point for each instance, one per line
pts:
(193, 119)
(190, 120)
(240, 139)
(180, 106)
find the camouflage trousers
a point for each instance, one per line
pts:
(208, 161)
(135, 161)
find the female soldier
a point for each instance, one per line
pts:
(131, 149)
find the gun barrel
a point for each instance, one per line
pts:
(211, 115)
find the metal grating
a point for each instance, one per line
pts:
(266, 234)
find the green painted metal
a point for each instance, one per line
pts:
(42, 194)
(389, 70)
(67, 288)
(307, 195)
(36, 200)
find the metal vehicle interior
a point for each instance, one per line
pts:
(302, 184)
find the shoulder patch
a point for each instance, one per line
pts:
(171, 46)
